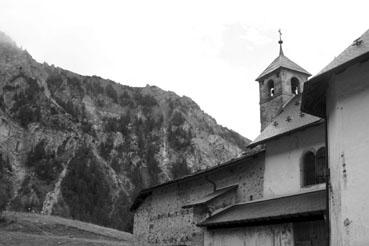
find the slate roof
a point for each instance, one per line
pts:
(282, 61)
(314, 89)
(358, 47)
(289, 119)
(284, 208)
(211, 196)
(250, 153)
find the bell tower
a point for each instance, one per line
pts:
(278, 83)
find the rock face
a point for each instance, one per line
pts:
(82, 147)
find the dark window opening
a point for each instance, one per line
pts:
(295, 86)
(309, 168)
(320, 165)
(310, 233)
(271, 88)
(313, 167)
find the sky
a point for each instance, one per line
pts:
(210, 51)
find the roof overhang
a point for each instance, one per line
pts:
(210, 197)
(289, 218)
(262, 76)
(140, 198)
(282, 62)
(310, 205)
(314, 95)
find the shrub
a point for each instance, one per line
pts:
(68, 107)
(178, 138)
(94, 88)
(5, 183)
(75, 87)
(106, 147)
(180, 169)
(87, 127)
(100, 102)
(43, 163)
(116, 165)
(54, 82)
(136, 178)
(145, 101)
(153, 164)
(27, 114)
(177, 119)
(25, 108)
(112, 93)
(117, 124)
(125, 100)
(28, 196)
(123, 217)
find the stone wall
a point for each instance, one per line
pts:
(161, 220)
(270, 106)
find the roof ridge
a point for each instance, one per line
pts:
(360, 42)
(282, 61)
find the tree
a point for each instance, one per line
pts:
(5, 183)
(180, 169)
(85, 189)
(111, 92)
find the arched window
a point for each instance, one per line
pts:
(295, 86)
(320, 165)
(313, 167)
(271, 87)
(308, 168)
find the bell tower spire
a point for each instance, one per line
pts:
(278, 83)
(280, 43)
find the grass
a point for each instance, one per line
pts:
(34, 229)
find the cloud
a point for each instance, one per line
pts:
(238, 41)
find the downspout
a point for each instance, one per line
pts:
(327, 181)
(211, 182)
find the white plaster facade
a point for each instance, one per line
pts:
(283, 159)
(348, 146)
(282, 176)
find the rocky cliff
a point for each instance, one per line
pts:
(83, 146)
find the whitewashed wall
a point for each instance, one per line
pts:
(283, 158)
(348, 140)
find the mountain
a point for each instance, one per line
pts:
(82, 146)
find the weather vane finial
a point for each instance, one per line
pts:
(280, 42)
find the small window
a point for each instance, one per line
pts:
(309, 168)
(271, 88)
(295, 86)
(320, 165)
(313, 167)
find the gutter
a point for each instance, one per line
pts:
(327, 183)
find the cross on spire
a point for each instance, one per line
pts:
(280, 43)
